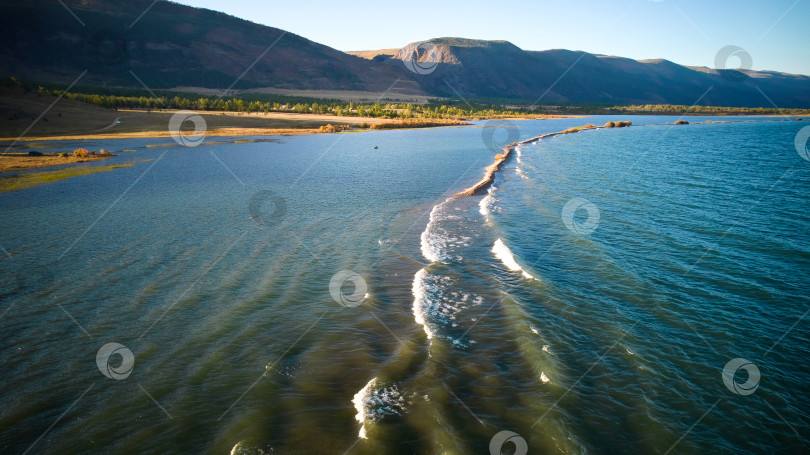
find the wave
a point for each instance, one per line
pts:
(374, 402)
(521, 174)
(438, 303)
(487, 205)
(430, 244)
(436, 300)
(242, 448)
(419, 292)
(505, 255)
(537, 332)
(436, 241)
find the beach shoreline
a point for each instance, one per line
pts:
(18, 160)
(248, 131)
(142, 123)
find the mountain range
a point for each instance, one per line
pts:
(167, 45)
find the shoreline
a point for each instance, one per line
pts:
(356, 123)
(220, 132)
(17, 161)
(25, 180)
(489, 171)
(20, 161)
(157, 134)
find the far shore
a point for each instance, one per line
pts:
(136, 124)
(13, 162)
(19, 160)
(220, 132)
(300, 124)
(149, 134)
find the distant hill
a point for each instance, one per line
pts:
(173, 46)
(501, 69)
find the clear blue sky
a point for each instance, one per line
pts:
(690, 32)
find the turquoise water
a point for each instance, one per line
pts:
(604, 331)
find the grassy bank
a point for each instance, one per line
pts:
(32, 179)
(21, 161)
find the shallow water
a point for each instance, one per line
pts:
(507, 311)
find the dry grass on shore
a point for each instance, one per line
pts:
(11, 162)
(32, 179)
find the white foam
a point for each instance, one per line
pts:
(359, 401)
(435, 241)
(487, 204)
(546, 348)
(429, 246)
(483, 206)
(439, 303)
(503, 253)
(237, 449)
(521, 174)
(419, 292)
(534, 330)
(373, 403)
(241, 448)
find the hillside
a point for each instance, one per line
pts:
(173, 45)
(500, 69)
(70, 118)
(198, 50)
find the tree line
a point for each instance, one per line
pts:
(446, 108)
(377, 110)
(709, 110)
(432, 110)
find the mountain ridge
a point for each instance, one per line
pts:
(173, 45)
(501, 69)
(166, 45)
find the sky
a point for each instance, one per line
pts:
(774, 33)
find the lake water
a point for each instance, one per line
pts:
(317, 295)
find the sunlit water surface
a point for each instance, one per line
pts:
(601, 331)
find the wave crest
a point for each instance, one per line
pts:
(506, 257)
(374, 402)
